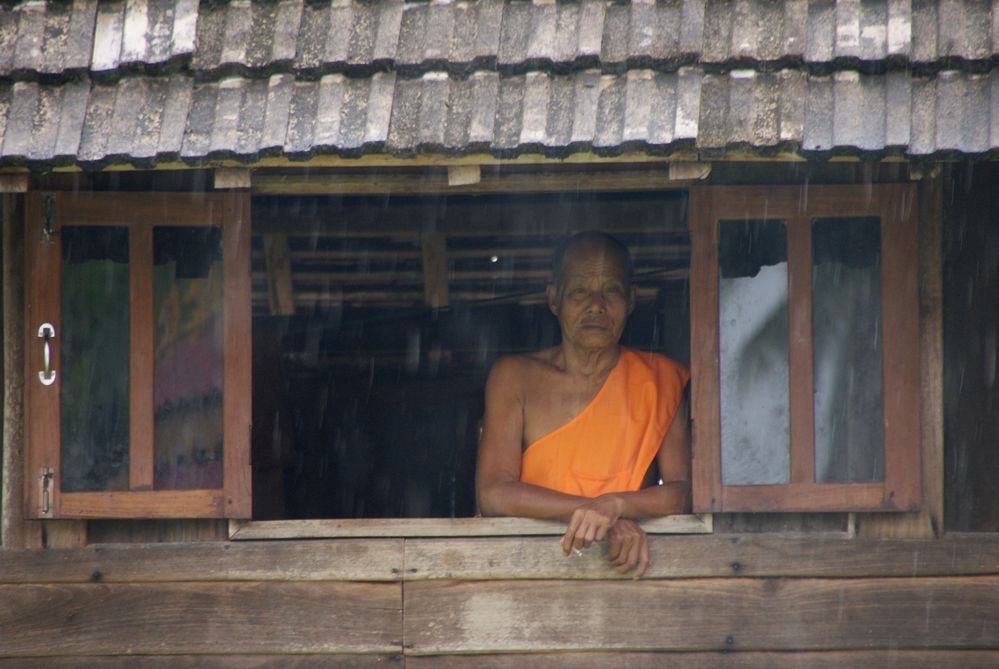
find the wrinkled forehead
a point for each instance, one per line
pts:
(591, 258)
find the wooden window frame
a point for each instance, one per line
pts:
(139, 212)
(896, 206)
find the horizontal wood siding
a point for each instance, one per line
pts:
(334, 661)
(702, 615)
(708, 601)
(217, 618)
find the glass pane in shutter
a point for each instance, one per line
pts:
(187, 380)
(753, 345)
(846, 323)
(93, 360)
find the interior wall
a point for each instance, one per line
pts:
(971, 327)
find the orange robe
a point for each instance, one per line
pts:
(609, 446)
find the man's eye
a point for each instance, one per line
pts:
(578, 291)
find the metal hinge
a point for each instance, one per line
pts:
(48, 216)
(45, 491)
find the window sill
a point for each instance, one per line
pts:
(438, 527)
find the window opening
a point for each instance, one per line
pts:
(368, 398)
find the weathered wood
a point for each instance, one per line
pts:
(342, 560)
(440, 527)
(765, 555)
(885, 659)
(237, 357)
(14, 182)
(140, 531)
(927, 522)
(689, 171)
(15, 531)
(277, 264)
(232, 178)
(287, 661)
(463, 175)
(433, 250)
(64, 533)
(705, 615)
(183, 618)
(425, 183)
(141, 356)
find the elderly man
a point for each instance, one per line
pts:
(572, 432)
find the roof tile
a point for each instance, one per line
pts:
(74, 108)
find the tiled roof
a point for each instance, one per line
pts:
(152, 80)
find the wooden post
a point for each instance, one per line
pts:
(927, 522)
(433, 247)
(15, 532)
(277, 261)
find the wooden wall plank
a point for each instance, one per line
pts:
(927, 522)
(433, 250)
(344, 560)
(974, 659)
(277, 263)
(500, 558)
(702, 614)
(193, 618)
(15, 531)
(335, 661)
(442, 527)
(707, 556)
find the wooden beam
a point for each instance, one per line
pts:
(193, 618)
(285, 661)
(689, 171)
(440, 527)
(14, 182)
(340, 560)
(15, 532)
(423, 183)
(878, 659)
(231, 178)
(277, 264)
(705, 556)
(433, 250)
(701, 615)
(928, 521)
(463, 175)
(229, 661)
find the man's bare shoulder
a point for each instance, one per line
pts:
(522, 364)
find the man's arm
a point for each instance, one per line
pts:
(612, 513)
(497, 478)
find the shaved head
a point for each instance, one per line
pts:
(590, 239)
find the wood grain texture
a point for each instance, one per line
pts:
(433, 251)
(770, 555)
(238, 357)
(277, 263)
(441, 527)
(702, 615)
(334, 661)
(928, 521)
(891, 659)
(420, 183)
(15, 531)
(342, 560)
(141, 366)
(194, 618)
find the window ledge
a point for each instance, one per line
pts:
(439, 527)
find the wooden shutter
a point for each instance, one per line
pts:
(52, 219)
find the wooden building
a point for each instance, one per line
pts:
(259, 256)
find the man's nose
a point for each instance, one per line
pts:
(596, 301)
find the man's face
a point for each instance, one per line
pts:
(593, 303)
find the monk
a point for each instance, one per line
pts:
(588, 432)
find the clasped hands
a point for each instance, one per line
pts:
(599, 518)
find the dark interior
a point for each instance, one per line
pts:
(367, 400)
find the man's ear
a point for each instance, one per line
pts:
(551, 294)
(634, 299)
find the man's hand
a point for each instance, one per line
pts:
(628, 547)
(591, 521)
